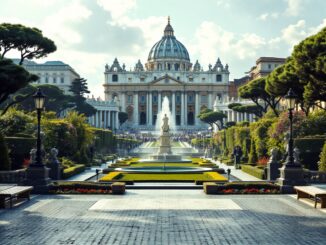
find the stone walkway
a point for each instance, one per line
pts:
(238, 173)
(162, 217)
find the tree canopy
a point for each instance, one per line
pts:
(304, 72)
(255, 91)
(250, 109)
(212, 117)
(56, 100)
(12, 78)
(309, 58)
(30, 42)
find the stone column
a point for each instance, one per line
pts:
(109, 118)
(101, 118)
(105, 122)
(210, 104)
(150, 114)
(116, 120)
(123, 102)
(173, 105)
(197, 109)
(182, 110)
(159, 99)
(186, 108)
(136, 116)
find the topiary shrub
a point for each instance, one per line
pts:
(322, 161)
(5, 163)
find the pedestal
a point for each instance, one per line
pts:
(38, 176)
(289, 177)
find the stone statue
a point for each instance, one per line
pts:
(33, 155)
(53, 154)
(165, 126)
(296, 155)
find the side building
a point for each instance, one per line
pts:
(55, 73)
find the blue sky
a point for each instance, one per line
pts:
(91, 33)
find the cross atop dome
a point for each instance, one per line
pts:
(168, 31)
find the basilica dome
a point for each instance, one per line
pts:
(168, 47)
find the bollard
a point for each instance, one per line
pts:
(97, 172)
(229, 172)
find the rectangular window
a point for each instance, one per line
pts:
(129, 98)
(191, 79)
(269, 66)
(46, 80)
(54, 80)
(114, 78)
(62, 79)
(218, 78)
(203, 99)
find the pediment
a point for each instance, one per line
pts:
(166, 80)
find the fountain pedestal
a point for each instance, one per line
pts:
(165, 145)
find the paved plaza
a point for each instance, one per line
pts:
(163, 217)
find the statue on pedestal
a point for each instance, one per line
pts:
(165, 126)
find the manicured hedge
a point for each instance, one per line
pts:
(5, 163)
(68, 172)
(310, 149)
(254, 171)
(20, 148)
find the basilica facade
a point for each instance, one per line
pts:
(168, 72)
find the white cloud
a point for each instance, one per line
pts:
(294, 7)
(294, 33)
(314, 30)
(117, 8)
(212, 41)
(223, 3)
(58, 25)
(265, 16)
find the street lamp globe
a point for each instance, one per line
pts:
(39, 99)
(290, 99)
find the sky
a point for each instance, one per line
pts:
(91, 33)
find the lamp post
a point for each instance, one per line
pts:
(290, 102)
(37, 173)
(291, 174)
(39, 99)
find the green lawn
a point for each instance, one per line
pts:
(206, 176)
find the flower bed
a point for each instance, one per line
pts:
(241, 188)
(84, 187)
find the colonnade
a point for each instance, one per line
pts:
(185, 106)
(105, 119)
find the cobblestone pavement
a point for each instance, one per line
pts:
(163, 217)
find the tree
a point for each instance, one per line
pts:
(12, 78)
(30, 42)
(79, 88)
(123, 117)
(250, 109)
(309, 58)
(56, 100)
(212, 117)
(255, 91)
(284, 77)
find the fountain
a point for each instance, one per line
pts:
(164, 154)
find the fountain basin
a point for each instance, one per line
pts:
(165, 169)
